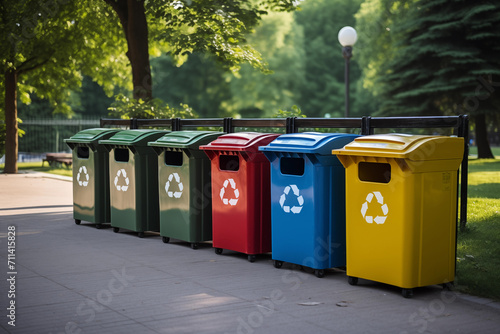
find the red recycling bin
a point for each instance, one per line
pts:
(241, 193)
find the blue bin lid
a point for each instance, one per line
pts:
(309, 142)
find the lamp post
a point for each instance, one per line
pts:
(347, 38)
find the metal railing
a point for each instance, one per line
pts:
(366, 125)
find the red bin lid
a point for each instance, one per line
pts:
(241, 141)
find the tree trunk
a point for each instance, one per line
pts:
(483, 146)
(138, 50)
(11, 135)
(135, 26)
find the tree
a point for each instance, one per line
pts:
(200, 82)
(257, 94)
(445, 60)
(323, 88)
(45, 48)
(188, 26)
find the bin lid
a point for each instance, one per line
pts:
(241, 141)
(186, 139)
(135, 137)
(90, 135)
(309, 142)
(412, 147)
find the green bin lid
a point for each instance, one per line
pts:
(241, 141)
(309, 142)
(136, 137)
(91, 135)
(186, 139)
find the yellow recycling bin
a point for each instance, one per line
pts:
(401, 209)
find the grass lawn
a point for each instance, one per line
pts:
(494, 149)
(478, 249)
(37, 166)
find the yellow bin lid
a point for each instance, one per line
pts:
(411, 148)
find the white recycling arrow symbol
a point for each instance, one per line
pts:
(300, 199)
(175, 194)
(120, 173)
(85, 176)
(231, 201)
(383, 206)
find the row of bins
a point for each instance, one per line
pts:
(383, 206)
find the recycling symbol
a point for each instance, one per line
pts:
(85, 175)
(300, 199)
(384, 207)
(123, 173)
(176, 194)
(231, 201)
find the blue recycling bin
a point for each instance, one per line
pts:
(308, 200)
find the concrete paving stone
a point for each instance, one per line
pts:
(65, 270)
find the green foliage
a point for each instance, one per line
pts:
(433, 55)
(323, 87)
(295, 112)
(256, 94)
(51, 44)
(199, 82)
(216, 27)
(125, 107)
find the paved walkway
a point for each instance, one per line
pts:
(78, 279)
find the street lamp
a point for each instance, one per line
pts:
(347, 38)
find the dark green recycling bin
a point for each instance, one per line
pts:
(184, 185)
(90, 176)
(133, 179)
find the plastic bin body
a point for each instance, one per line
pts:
(308, 199)
(133, 177)
(185, 185)
(90, 175)
(241, 211)
(401, 203)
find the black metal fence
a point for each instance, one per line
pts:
(458, 125)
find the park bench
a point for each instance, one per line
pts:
(58, 159)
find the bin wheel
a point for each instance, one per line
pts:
(165, 239)
(194, 245)
(140, 234)
(116, 229)
(78, 221)
(352, 280)
(407, 293)
(448, 286)
(251, 258)
(277, 264)
(218, 251)
(98, 226)
(320, 273)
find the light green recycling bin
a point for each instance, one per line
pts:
(90, 176)
(185, 186)
(133, 177)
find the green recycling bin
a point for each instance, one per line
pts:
(184, 185)
(133, 179)
(90, 176)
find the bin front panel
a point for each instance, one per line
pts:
(122, 178)
(185, 197)
(308, 211)
(400, 225)
(241, 204)
(84, 183)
